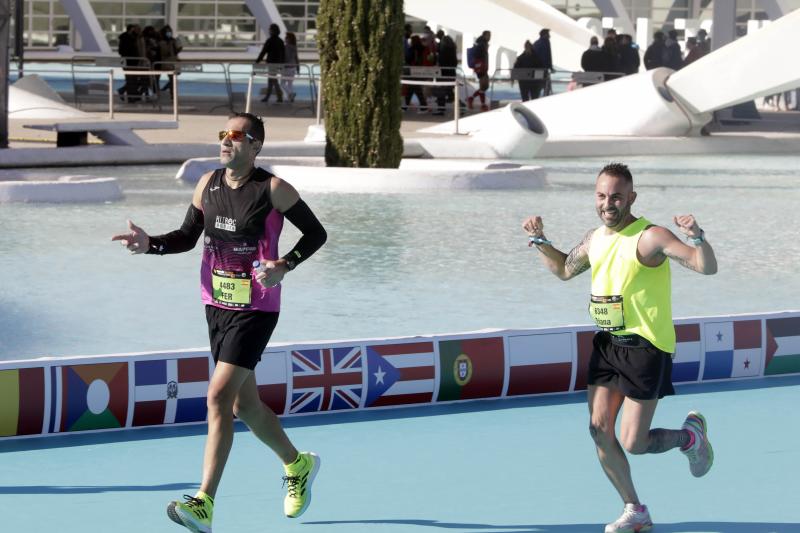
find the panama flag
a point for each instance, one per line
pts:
(783, 346)
(539, 363)
(326, 379)
(271, 378)
(688, 352)
(23, 399)
(170, 391)
(733, 349)
(400, 374)
(93, 396)
(471, 368)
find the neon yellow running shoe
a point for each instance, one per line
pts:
(298, 479)
(195, 514)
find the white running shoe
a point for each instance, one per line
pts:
(635, 518)
(700, 453)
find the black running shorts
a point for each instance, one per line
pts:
(631, 365)
(239, 337)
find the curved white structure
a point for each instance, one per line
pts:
(26, 104)
(515, 133)
(511, 22)
(752, 66)
(66, 189)
(414, 175)
(637, 105)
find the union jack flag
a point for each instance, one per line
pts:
(326, 379)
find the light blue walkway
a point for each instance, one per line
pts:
(512, 466)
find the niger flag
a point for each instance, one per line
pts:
(22, 400)
(471, 368)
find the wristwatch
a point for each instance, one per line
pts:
(290, 263)
(700, 239)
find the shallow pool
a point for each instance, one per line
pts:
(395, 264)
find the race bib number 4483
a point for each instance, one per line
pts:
(231, 288)
(607, 312)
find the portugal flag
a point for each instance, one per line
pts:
(471, 368)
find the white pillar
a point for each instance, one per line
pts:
(724, 24)
(93, 39)
(266, 13)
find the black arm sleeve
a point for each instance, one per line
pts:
(314, 235)
(180, 240)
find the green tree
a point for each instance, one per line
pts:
(361, 55)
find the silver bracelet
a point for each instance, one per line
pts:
(538, 241)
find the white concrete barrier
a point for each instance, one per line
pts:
(414, 175)
(66, 189)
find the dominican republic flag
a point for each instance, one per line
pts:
(783, 346)
(539, 363)
(733, 349)
(400, 374)
(271, 378)
(170, 391)
(688, 352)
(326, 379)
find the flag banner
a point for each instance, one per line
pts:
(327, 379)
(22, 401)
(733, 349)
(400, 374)
(539, 363)
(93, 396)
(271, 379)
(170, 391)
(471, 368)
(584, 342)
(688, 353)
(783, 346)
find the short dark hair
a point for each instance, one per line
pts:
(617, 170)
(256, 125)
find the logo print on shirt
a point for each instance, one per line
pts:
(212, 189)
(228, 224)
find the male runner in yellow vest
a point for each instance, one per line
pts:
(631, 363)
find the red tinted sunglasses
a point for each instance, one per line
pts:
(235, 135)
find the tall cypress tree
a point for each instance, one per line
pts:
(361, 55)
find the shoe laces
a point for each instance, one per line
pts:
(191, 501)
(292, 484)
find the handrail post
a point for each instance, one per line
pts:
(456, 105)
(249, 90)
(174, 96)
(110, 94)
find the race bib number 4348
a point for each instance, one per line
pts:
(607, 312)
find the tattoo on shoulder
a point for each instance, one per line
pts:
(577, 260)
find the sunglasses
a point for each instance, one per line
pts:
(235, 135)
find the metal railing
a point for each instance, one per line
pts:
(278, 72)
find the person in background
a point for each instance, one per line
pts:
(448, 61)
(480, 66)
(292, 63)
(274, 50)
(628, 54)
(169, 48)
(543, 50)
(654, 55)
(694, 52)
(673, 57)
(529, 88)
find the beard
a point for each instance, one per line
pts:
(613, 217)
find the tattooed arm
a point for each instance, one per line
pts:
(658, 243)
(563, 266)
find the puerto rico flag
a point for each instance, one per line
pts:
(733, 349)
(688, 352)
(399, 374)
(539, 363)
(170, 391)
(271, 378)
(327, 379)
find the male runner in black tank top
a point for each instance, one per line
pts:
(240, 208)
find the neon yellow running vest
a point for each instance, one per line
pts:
(627, 296)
